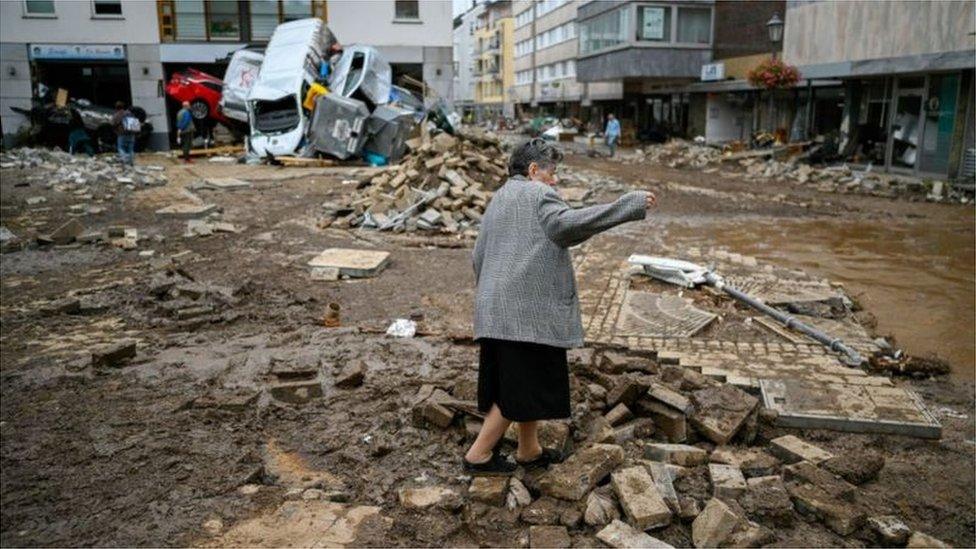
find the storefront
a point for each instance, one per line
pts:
(97, 73)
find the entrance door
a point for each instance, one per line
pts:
(903, 139)
(940, 117)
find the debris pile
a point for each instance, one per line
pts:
(62, 171)
(786, 163)
(659, 454)
(177, 298)
(444, 184)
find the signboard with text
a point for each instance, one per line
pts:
(712, 72)
(102, 52)
(653, 28)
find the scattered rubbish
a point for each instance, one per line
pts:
(332, 315)
(402, 327)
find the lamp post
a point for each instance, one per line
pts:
(775, 28)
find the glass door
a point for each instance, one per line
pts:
(903, 139)
(939, 119)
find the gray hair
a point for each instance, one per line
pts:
(537, 150)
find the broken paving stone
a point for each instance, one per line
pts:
(549, 536)
(579, 474)
(297, 392)
(312, 523)
(667, 421)
(751, 535)
(600, 431)
(715, 524)
(545, 510)
(224, 183)
(490, 490)
(767, 501)
(639, 498)
(720, 411)
(642, 427)
(114, 355)
(666, 395)
(351, 262)
(429, 496)
(621, 535)
(825, 480)
(727, 481)
(791, 449)
(600, 509)
(663, 477)
(760, 464)
(67, 232)
(856, 467)
(619, 414)
(890, 530)
(678, 454)
(66, 305)
(840, 516)
(688, 508)
(231, 401)
(352, 375)
(615, 363)
(518, 494)
(187, 210)
(627, 389)
(920, 541)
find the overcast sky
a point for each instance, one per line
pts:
(460, 6)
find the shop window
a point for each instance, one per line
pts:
(694, 25)
(191, 20)
(407, 9)
(225, 21)
(654, 24)
(39, 8)
(107, 8)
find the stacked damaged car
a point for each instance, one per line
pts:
(313, 97)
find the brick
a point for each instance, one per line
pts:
(825, 480)
(615, 363)
(720, 411)
(627, 390)
(352, 375)
(714, 525)
(518, 494)
(298, 392)
(549, 536)
(619, 414)
(579, 474)
(856, 467)
(925, 541)
(791, 449)
(115, 354)
(889, 530)
(429, 496)
(727, 481)
(841, 517)
(490, 490)
(666, 395)
(623, 536)
(642, 427)
(639, 498)
(600, 509)
(671, 423)
(767, 501)
(663, 478)
(545, 510)
(678, 454)
(67, 232)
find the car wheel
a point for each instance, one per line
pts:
(199, 109)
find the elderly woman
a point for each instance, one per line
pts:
(526, 309)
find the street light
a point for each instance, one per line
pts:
(775, 28)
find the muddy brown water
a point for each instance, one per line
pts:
(916, 275)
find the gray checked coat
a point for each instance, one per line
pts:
(524, 272)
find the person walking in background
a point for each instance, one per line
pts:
(612, 133)
(126, 127)
(184, 130)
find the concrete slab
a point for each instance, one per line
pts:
(224, 183)
(187, 210)
(312, 523)
(352, 262)
(657, 315)
(852, 408)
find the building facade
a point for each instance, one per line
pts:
(906, 70)
(464, 58)
(546, 51)
(493, 70)
(110, 50)
(102, 51)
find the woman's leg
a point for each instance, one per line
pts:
(491, 432)
(528, 441)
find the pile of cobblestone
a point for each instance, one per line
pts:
(59, 170)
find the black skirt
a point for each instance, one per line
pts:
(528, 381)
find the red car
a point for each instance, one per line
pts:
(201, 90)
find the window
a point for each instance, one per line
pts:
(39, 7)
(545, 6)
(225, 22)
(654, 23)
(107, 7)
(523, 77)
(407, 9)
(264, 18)
(191, 21)
(604, 31)
(694, 25)
(523, 18)
(523, 48)
(556, 35)
(292, 10)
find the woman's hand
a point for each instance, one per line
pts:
(651, 201)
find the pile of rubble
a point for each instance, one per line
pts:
(444, 184)
(663, 450)
(61, 171)
(178, 299)
(763, 165)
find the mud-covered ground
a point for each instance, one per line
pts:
(185, 441)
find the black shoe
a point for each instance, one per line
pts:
(545, 459)
(498, 465)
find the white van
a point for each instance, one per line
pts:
(242, 73)
(274, 105)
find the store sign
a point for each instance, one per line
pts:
(653, 28)
(712, 72)
(107, 52)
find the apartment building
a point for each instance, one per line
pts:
(546, 50)
(109, 50)
(464, 59)
(493, 69)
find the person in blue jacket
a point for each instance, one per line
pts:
(612, 133)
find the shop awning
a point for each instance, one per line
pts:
(724, 86)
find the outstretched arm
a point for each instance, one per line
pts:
(568, 226)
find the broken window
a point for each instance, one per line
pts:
(276, 116)
(407, 9)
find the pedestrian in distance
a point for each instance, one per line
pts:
(527, 312)
(185, 130)
(612, 133)
(126, 127)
